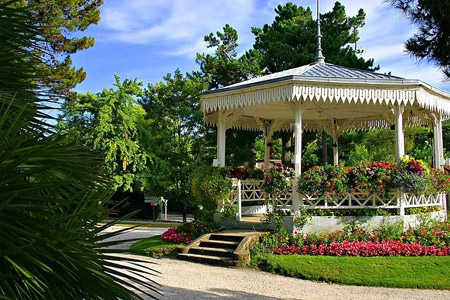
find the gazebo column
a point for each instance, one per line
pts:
(438, 149)
(335, 151)
(297, 154)
(399, 134)
(221, 135)
(268, 133)
(335, 137)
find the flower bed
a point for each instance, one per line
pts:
(431, 239)
(386, 248)
(186, 232)
(171, 235)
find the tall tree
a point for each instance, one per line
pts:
(106, 123)
(60, 20)
(290, 41)
(223, 68)
(432, 41)
(175, 132)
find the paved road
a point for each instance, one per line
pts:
(138, 233)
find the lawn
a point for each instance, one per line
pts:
(154, 246)
(405, 272)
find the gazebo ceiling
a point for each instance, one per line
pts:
(355, 98)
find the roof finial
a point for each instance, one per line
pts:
(319, 56)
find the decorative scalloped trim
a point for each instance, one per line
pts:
(411, 96)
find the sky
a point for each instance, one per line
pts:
(146, 39)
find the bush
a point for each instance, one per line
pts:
(196, 228)
(172, 235)
(210, 186)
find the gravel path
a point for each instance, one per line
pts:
(183, 280)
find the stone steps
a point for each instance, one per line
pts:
(226, 249)
(209, 259)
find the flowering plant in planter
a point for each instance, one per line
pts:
(324, 181)
(239, 172)
(410, 176)
(276, 181)
(376, 177)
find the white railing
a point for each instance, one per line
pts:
(362, 200)
(247, 192)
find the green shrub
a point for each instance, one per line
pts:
(197, 228)
(210, 186)
(229, 212)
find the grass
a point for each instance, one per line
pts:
(154, 246)
(401, 272)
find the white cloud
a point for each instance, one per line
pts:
(182, 23)
(177, 28)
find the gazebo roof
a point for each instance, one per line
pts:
(314, 71)
(356, 99)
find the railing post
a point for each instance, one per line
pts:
(239, 192)
(400, 204)
(443, 201)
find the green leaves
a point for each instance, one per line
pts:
(52, 194)
(431, 41)
(51, 198)
(290, 41)
(106, 123)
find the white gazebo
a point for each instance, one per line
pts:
(322, 96)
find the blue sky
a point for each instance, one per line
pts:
(148, 39)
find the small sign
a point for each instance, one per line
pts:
(150, 199)
(153, 203)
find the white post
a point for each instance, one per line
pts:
(399, 136)
(239, 192)
(438, 149)
(266, 151)
(221, 135)
(335, 151)
(298, 139)
(297, 154)
(335, 136)
(401, 205)
(165, 207)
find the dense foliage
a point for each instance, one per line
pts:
(106, 123)
(52, 193)
(61, 23)
(290, 41)
(277, 180)
(210, 186)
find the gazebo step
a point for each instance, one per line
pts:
(210, 259)
(219, 244)
(222, 252)
(226, 237)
